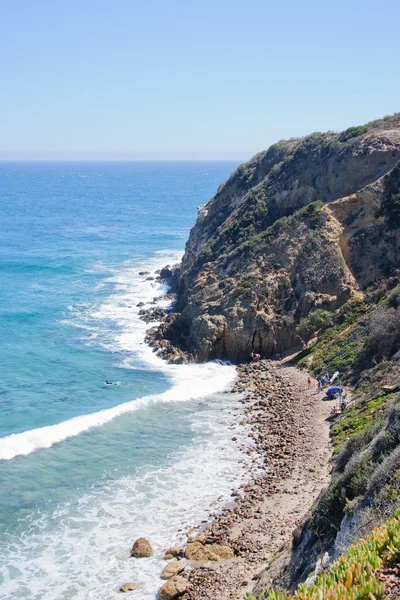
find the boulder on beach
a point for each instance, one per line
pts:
(141, 548)
(173, 552)
(173, 588)
(128, 587)
(197, 551)
(172, 568)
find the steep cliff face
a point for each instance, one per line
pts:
(297, 230)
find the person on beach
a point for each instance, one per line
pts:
(322, 381)
(318, 385)
(309, 382)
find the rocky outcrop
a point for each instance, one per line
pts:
(300, 228)
(141, 548)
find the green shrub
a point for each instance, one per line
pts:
(357, 419)
(316, 321)
(392, 210)
(353, 132)
(353, 576)
(384, 333)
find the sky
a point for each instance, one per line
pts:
(184, 79)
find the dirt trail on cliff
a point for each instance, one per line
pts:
(290, 428)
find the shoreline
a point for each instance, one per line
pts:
(289, 430)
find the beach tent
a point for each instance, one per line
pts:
(333, 390)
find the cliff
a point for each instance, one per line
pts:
(287, 240)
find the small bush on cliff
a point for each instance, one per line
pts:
(356, 425)
(392, 209)
(391, 200)
(353, 132)
(384, 333)
(316, 321)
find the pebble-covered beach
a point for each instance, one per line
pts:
(289, 447)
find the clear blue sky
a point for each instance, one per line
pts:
(184, 78)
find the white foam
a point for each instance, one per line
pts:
(190, 383)
(187, 381)
(81, 551)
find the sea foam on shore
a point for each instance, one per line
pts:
(81, 550)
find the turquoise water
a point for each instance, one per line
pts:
(85, 468)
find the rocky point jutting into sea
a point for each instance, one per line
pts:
(299, 253)
(305, 225)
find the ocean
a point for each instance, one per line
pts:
(85, 467)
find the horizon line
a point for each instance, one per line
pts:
(122, 156)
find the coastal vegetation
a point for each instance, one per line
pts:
(357, 574)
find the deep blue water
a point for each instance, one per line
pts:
(73, 239)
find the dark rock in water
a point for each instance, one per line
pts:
(152, 314)
(150, 278)
(171, 276)
(141, 548)
(166, 272)
(129, 587)
(144, 272)
(140, 304)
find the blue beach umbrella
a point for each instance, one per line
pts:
(333, 390)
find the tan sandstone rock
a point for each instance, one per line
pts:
(197, 551)
(173, 588)
(172, 568)
(173, 552)
(141, 548)
(128, 587)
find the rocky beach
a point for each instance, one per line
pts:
(288, 431)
